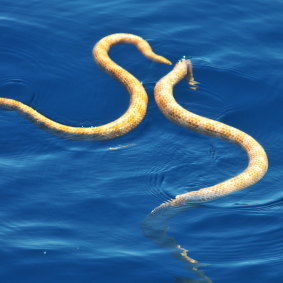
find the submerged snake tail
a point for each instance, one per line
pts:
(138, 97)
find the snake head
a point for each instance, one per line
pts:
(190, 76)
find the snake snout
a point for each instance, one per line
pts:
(188, 65)
(190, 76)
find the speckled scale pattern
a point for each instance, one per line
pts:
(258, 162)
(138, 97)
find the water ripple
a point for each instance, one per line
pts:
(19, 89)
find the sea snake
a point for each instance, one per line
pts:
(258, 162)
(155, 226)
(138, 97)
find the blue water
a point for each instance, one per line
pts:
(71, 211)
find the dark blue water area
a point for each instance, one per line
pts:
(72, 211)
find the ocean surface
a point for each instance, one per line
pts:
(73, 211)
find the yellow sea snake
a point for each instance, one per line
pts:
(258, 162)
(154, 228)
(155, 225)
(138, 97)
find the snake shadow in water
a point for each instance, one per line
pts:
(155, 227)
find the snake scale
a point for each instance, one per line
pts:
(258, 162)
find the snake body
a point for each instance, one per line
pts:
(156, 230)
(155, 225)
(138, 97)
(258, 162)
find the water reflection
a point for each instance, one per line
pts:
(155, 227)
